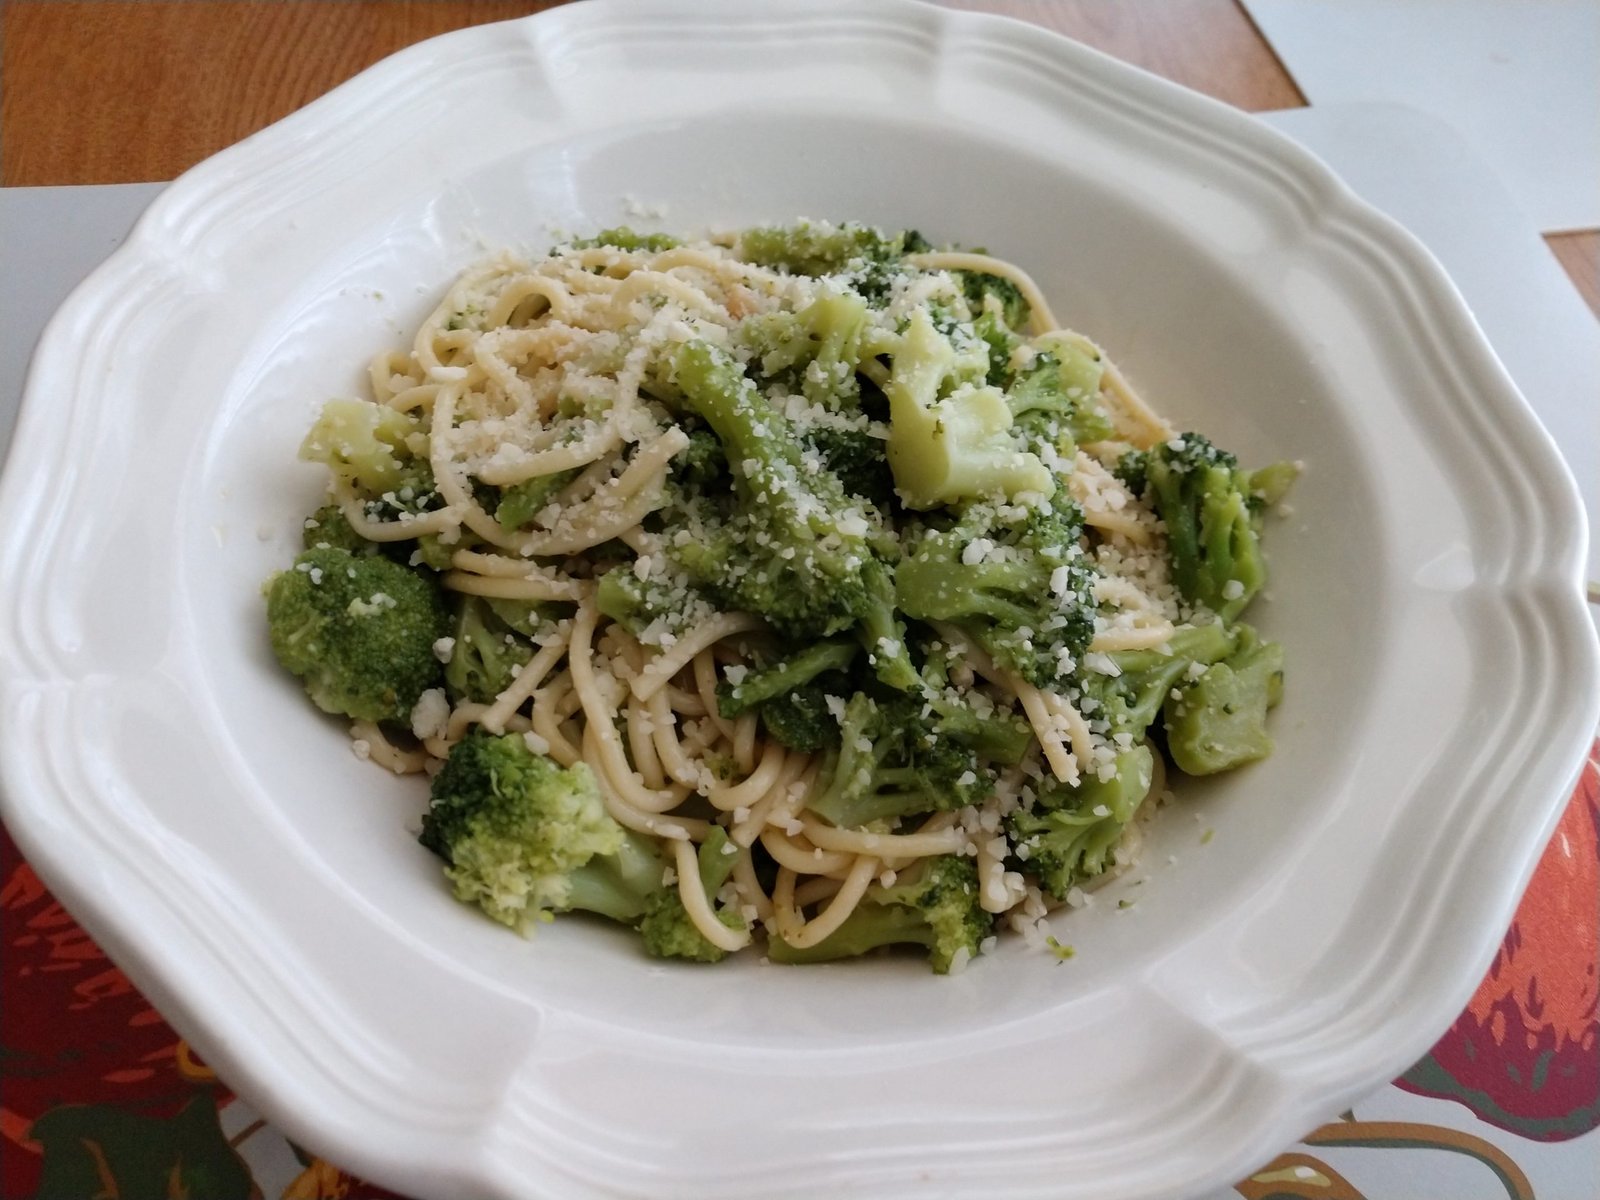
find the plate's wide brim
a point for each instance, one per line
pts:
(264, 888)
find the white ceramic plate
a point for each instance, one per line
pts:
(263, 886)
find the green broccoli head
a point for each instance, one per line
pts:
(329, 528)
(623, 238)
(801, 718)
(486, 653)
(1056, 398)
(792, 693)
(859, 460)
(666, 927)
(516, 506)
(933, 904)
(524, 838)
(1070, 833)
(358, 630)
(893, 761)
(1131, 699)
(798, 549)
(1016, 580)
(994, 294)
(1212, 531)
(814, 352)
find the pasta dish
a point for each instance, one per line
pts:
(806, 587)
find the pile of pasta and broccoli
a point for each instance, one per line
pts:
(805, 586)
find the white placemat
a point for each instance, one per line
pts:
(1519, 78)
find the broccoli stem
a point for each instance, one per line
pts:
(883, 634)
(794, 671)
(1219, 722)
(617, 885)
(867, 928)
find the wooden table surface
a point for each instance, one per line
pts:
(125, 91)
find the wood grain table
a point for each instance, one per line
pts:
(130, 91)
(119, 91)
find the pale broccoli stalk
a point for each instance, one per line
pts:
(369, 447)
(1219, 721)
(934, 904)
(893, 762)
(948, 445)
(358, 630)
(797, 552)
(524, 838)
(1068, 835)
(667, 929)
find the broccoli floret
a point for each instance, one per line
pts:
(996, 736)
(798, 549)
(661, 599)
(668, 931)
(358, 630)
(623, 238)
(1130, 469)
(328, 528)
(524, 838)
(1069, 834)
(521, 502)
(857, 256)
(994, 294)
(790, 672)
(950, 439)
(1055, 397)
(1219, 721)
(701, 466)
(487, 654)
(1020, 586)
(859, 460)
(882, 632)
(1130, 700)
(1002, 344)
(892, 762)
(1212, 536)
(934, 904)
(814, 351)
(370, 447)
(818, 248)
(801, 718)
(792, 694)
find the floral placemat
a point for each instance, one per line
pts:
(99, 1098)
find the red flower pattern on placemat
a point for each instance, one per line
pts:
(1525, 1056)
(100, 1094)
